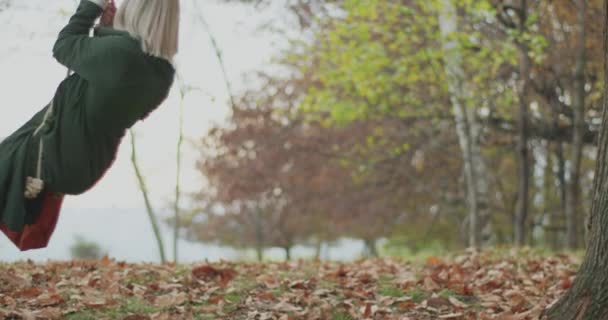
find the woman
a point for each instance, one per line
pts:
(119, 76)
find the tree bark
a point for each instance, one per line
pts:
(371, 248)
(259, 235)
(588, 297)
(573, 195)
(521, 213)
(149, 208)
(467, 126)
(318, 249)
(548, 218)
(561, 176)
(259, 252)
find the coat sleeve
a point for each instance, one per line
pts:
(96, 59)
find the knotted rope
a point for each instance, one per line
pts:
(35, 185)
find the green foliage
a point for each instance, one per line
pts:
(373, 63)
(384, 59)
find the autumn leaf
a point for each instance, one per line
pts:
(430, 284)
(470, 286)
(95, 302)
(433, 261)
(106, 261)
(49, 313)
(285, 306)
(215, 300)
(174, 298)
(45, 300)
(265, 296)
(206, 272)
(28, 293)
(457, 303)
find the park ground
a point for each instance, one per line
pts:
(499, 284)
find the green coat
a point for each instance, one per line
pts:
(114, 84)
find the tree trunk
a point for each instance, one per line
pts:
(588, 296)
(467, 127)
(259, 252)
(176, 207)
(259, 234)
(547, 218)
(149, 209)
(318, 249)
(287, 253)
(521, 213)
(578, 106)
(561, 168)
(371, 248)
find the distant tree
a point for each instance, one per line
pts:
(382, 59)
(361, 133)
(85, 249)
(467, 125)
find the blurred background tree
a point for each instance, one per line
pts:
(446, 123)
(86, 249)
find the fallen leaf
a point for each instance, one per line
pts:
(172, 299)
(451, 316)
(433, 261)
(27, 293)
(457, 303)
(430, 285)
(95, 302)
(284, 306)
(207, 272)
(45, 300)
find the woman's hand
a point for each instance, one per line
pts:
(107, 18)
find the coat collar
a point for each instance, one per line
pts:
(109, 31)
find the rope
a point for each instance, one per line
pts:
(33, 186)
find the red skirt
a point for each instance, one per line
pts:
(38, 234)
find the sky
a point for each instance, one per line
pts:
(29, 75)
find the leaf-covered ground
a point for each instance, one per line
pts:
(509, 286)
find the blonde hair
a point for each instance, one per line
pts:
(154, 22)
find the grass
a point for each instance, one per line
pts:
(338, 315)
(129, 306)
(420, 257)
(387, 288)
(391, 291)
(418, 295)
(143, 278)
